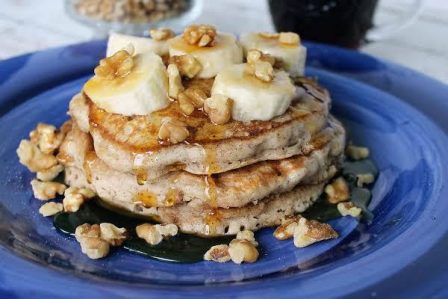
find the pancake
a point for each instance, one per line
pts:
(204, 220)
(130, 144)
(234, 188)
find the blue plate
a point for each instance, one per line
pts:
(402, 252)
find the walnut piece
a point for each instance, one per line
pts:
(50, 209)
(219, 109)
(200, 35)
(218, 253)
(174, 81)
(190, 99)
(349, 209)
(173, 131)
(247, 235)
(149, 233)
(254, 55)
(264, 71)
(47, 138)
(119, 65)
(268, 35)
(154, 234)
(357, 152)
(364, 179)
(161, 34)
(242, 251)
(337, 191)
(286, 229)
(74, 197)
(50, 174)
(289, 38)
(87, 231)
(167, 230)
(31, 157)
(94, 248)
(187, 64)
(260, 65)
(89, 237)
(308, 232)
(113, 235)
(47, 190)
(284, 38)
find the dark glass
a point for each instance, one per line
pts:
(340, 22)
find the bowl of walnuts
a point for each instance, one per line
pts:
(133, 16)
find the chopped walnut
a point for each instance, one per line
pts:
(242, 251)
(247, 235)
(187, 64)
(200, 35)
(308, 232)
(260, 65)
(31, 156)
(268, 35)
(47, 138)
(174, 81)
(94, 248)
(113, 235)
(47, 190)
(289, 38)
(149, 233)
(87, 231)
(357, 152)
(50, 209)
(349, 209)
(286, 229)
(118, 65)
(50, 174)
(219, 109)
(364, 179)
(74, 197)
(161, 34)
(173, 130)
(254, 55)
(167, 230)
(337, 191)
(218, 253)
(153, 234)
(264, 71)
(89, 237)
(190, 99)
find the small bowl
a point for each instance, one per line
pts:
(102, 27)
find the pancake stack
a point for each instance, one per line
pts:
(223, 178)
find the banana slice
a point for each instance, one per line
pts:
(292, 56)
(252, 98)
(142, 91)
(226, 51)
(118, 42)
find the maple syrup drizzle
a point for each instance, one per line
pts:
(212, 218)
(212, 167)
(171, 197)
(139, 170)
(89, 158)
(147, 198)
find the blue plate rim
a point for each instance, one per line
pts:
(281, 281)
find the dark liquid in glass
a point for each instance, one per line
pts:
(339, 22)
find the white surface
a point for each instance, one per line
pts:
(30, 25)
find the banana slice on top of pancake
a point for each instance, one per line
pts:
(285, 47)
(254, 99)
(158, 44)
(214, 50)
(129, 85)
